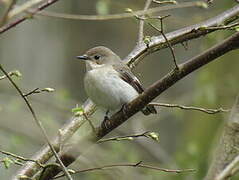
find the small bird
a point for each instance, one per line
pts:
(108, 82)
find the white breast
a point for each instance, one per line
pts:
(106, 89)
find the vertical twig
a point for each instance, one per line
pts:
(141, 23)
(164, 36)
(8, 9)
(90, 123)
(38, 123)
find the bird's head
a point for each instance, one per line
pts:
(99, 56)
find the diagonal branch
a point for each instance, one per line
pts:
(170, 79)
(229, 170)
(178, 36)
(22, 19)
(143, 99)
(182, 35)
(67, 131)
(9, 7)
(226, 156)
(23, 7)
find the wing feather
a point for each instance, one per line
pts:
(126, 74)
(129, 77)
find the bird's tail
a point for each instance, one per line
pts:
(149, 109)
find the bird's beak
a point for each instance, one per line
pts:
(83, 57)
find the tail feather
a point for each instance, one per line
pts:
(149, 109)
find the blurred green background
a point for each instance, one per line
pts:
(43, 49)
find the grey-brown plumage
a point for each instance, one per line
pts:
(109, 83)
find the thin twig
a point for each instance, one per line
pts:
(170, 79)
(180, 35)
(14, 161)
(232, 26)
(90, 123)
(117, 16)
(146, 134)
(161, 31)
(22, 19)
(141, 23)
(205, 110)
(11, 73)
(21, 158)
(5, 17)
(66, 133)
(37, 122)
(21, 8)
(165, 2)
(228, 171)
(38, 90)
(167, 41)
(135, 165)
(34, 91)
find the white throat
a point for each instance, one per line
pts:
(91, 65)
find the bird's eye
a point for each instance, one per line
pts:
(96, 57)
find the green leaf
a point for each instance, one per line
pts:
(125, 138)
(7, 162)
(128, 10)
(202, 28)
(153, 135)
(23, 177)
(17, 73)
(237, 28)
(78, 111)
(202, 4)
(147, 40)
(48, 89)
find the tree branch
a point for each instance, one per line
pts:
(165, 38)
(229, 170)
(178, 36)
(135, 165)
(11, 73)
(205, 110)
(143, 99)
(182, 35)
(9, 5)
(45, 153)
(38, 122)
(20, 157)
(147, 134)
(22, 19)
(23, 7)
(170, 79)
(227, 149)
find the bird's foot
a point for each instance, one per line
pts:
(124, 109)
(106, 122)
(106, 117)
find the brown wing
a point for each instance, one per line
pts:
(129, 77)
